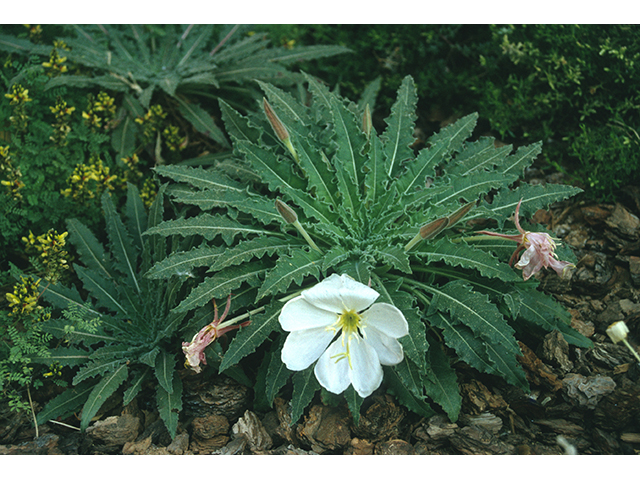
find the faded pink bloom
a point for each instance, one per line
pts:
(539, 251)
(194, 350)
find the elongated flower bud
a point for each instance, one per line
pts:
(618, 333)
(278, 127)
(367, 124)
(459, 214)
(276, 124)
(291, 218)
(428, 231)
(286, 211)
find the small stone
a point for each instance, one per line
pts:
(595, 214)
(179, 445)
(250, 426)
(394, 447)
(46, 444)
(360, 447)
(486, 420)
(555, 349)
(326, 428)
(116, 431)
(209, 433)
(587, 391)
(624, 222)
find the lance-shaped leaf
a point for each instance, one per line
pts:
(201, 120)
(237, 125)
(534, 198)
(305, 387)
(103, 290)
(476, 311)
(222, 284)
(442, 146)
(122, 246)
(66, 403)
(135, 388)
(442, 383)
(471, 187)
(170, 404)
(165, 364)
(136, 215)
(181, 263)
(201, 178)
(252, 336)
(101, 392)
(293, 115)
(479, 156)
(398, 136)
(65, 356)
(209, 226)
(254, 248)
(463, 255)
(291, 269)
(277, 373)
(405, 395)
(91, 252)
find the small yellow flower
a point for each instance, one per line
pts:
(24, 297)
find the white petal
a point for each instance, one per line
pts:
(333, 373)
(388, 349)
(366, 372)
(338, 293)
(303, 347)
(387, 319)
(298, 314)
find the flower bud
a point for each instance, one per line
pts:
(367, 124)
(286, 211)
(431, 229)
(276, 124)
(461, 212)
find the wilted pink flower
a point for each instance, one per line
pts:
(194, 350)
(539, 251)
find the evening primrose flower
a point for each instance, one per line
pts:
(539, 251)
(364, 334)
(194, 350)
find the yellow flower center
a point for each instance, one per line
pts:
(349, 322)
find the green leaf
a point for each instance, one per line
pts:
(463, 255)
(123, 138)
(443, 145)
(136, 215)
(222, 284)
(238, 126)
(91, 251)
(305, 387)
(277, 373)
(252, 336)
(291, 269)
(442, 384)
(354, 401)
(122, 246)
(250, 249)
(65, 403)
(534, 198)
(201, 121)
(201, 178)
(65, 356)
(404, 394)
(394, 256)
(182, 263)
(375, 175)
(164, 367)
(101, 392)
(398, 136)
(97, 368)
(209, 226)
(103, 290)
(479, 156)
(170, 404)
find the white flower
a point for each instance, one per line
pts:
(365, 334)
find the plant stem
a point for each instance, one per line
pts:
(33, 413)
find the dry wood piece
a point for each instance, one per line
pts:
(326, 428)
(538, 372)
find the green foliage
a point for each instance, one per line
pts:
(360, 202)
(124, 335)
(571, 86)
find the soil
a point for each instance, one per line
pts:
(584, 401)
